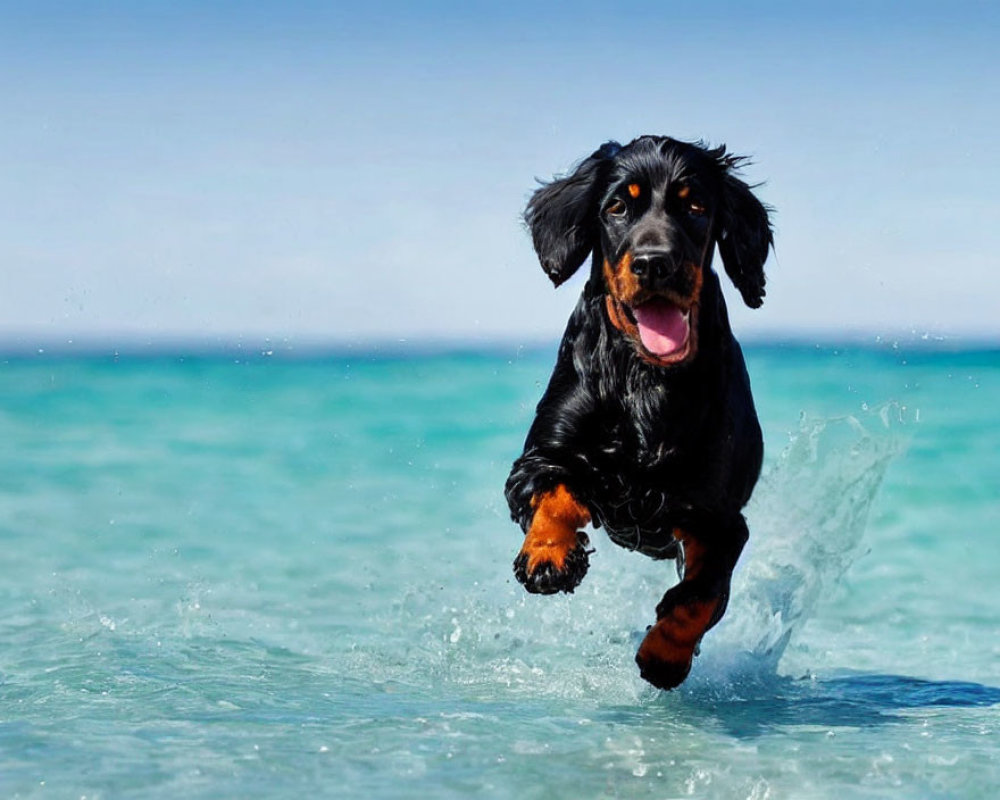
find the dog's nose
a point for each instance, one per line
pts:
(653, 265)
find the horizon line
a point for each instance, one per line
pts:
(303, 347)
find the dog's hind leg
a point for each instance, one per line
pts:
(554, 556)
(693, 606)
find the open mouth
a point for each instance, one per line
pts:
(664, 328)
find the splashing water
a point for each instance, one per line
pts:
(806, 520)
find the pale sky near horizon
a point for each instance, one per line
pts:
(320, 171)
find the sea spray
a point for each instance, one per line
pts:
(807, 520)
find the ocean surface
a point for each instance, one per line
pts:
(282, 574)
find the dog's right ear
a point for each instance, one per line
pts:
(562, 215)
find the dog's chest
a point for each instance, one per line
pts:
(653, 428)
(649, 459)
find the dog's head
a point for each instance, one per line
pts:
(652, 212)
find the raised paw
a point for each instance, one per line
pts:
(547, 569)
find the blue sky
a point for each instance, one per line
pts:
(356, 172)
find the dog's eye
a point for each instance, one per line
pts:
(616, 208)
(690, 201)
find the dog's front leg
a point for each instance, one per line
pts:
(554, 556)
(691, 607)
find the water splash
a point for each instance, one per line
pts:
(807, 519)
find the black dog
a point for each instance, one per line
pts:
(648, 426)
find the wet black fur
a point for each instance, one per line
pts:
(648, 447)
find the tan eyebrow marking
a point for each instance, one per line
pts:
(683, 192)
(633, 190)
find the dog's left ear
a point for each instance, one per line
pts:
(744, 236)
(562, 215)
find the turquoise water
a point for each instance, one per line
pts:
(275, 576)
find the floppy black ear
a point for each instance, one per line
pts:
(562, 215)
(744, 239)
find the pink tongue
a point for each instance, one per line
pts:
(662, 327)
